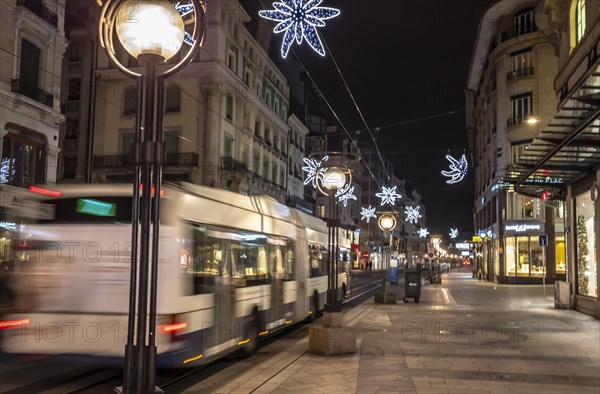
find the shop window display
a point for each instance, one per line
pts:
(523, 256)
(586, 249)
(560, 255)
(510, 256)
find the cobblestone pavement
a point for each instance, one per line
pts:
(465, 336)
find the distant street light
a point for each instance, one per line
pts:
(333, 179)
(151, 31)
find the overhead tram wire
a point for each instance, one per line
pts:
(358, 109)
(337, 117)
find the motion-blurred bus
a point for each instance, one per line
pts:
(231, 270)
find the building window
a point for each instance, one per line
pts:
(520, 64)
(23, 161)
(268, 135)
(227, 146)
(72, 129)
(74, 89)
(265, 173)
(585, 243)
(229, 107)
(524, 22)
(232, 58)
(255, 162)
(173, 99)
(171, 146)
(579, 20)
(29, 69)
(247, 73)
(521, 108)
(276, 106)
(130, 101)
(74, 51)
(257, 128)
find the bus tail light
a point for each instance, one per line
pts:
(5, 324)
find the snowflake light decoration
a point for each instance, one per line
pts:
(453, 233)
(299, 20)
(346, 193)
(314, 170)
(412, 214)
(184, 10)
(367, 213)
(423, 233)
(458, 169)
(5, 173)
(388, 195)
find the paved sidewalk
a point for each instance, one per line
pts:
(464, 336)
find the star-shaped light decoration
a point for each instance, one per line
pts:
(346, 193)
(453, 233)
(412, 214)
(423, 233)
(299, 20)
(388, 195)
(184, 10)
(5, 174)
(367, 213)
(458, 169)
(314, 170)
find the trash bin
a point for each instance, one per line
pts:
(412, 285)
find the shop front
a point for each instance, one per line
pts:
(525, 260)
(585, 223)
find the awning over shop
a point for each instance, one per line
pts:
(568, 149)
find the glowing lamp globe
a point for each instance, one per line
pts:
(387, 222)
(334, 178)
(150, 27)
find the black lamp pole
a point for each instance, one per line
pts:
(139, 373)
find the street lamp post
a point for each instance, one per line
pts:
(334, 179)
(151, 31)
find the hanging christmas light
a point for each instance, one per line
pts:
(388, 195)
(184, 10)
(346, 193)
(412, 214)
(453, 233)
(299, 20)
(314, 170)
(423, 233)
(458, 169)
(367, 213)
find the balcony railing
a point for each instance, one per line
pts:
(230, 164)
(517, 120)
(523, 72)
(516, 31)
(40, 10)
(189, 159)
(32, 92)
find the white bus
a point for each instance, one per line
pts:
(232, 269)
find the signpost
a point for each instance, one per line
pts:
(543, 241)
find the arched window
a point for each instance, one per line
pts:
(173, 99)
(577, 22)
(130, 101)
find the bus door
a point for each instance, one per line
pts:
(276, 268)
(225, 299)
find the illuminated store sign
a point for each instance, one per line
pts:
(546, 180)
(523, 228)
(500, 185)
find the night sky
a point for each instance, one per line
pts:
(403, 60)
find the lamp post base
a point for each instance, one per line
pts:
(157, 390)
(331, 338)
